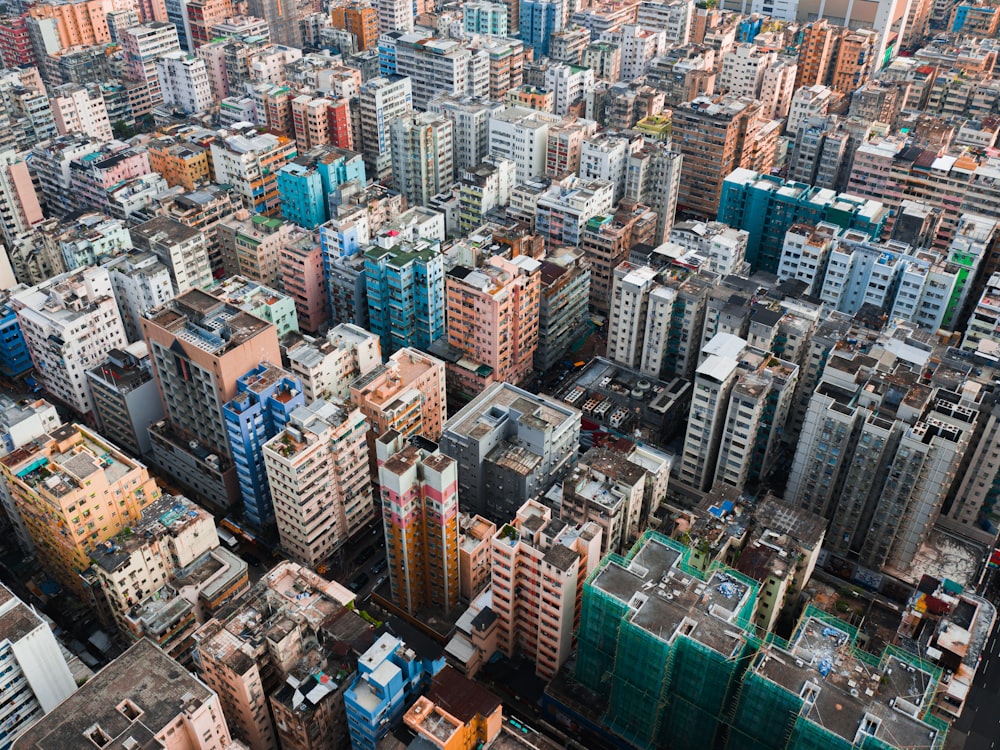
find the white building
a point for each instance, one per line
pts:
(182, 249)
(673, 17)
(521, 135)
(568, 84)
(70, 322)
(328, 367)
(380, 101)
(808, 102)
(80, 109)
(184, 82)
(422, 156)
(36, 676)
(723, 247)
(805, 252)
(605, 157)
(141, 283)
(440, 66)
(639, 46)
(777, 87)
(470, 119)
(563, 210)
(394, 15)
(142, 45)
(627, 314)
(742, 71)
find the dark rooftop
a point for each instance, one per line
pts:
(460, 696)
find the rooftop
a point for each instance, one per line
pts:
(208, 323)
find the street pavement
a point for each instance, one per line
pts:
(979, 725)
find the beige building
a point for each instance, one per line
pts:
(166, 576)
(475, 535)
(270, 646)
(406, 394)
(141, 699)
(320, 479)
(329, 367)
(539, 567)
(75, 491)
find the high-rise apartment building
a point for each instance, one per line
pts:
(19, 206)
(521, 135)
(15, 42)
(300, 276)
(539, 564)
(492, 314)
(321, 489)
(562, 307)
(380, 100)
(76, 24)
(202, 16)
(437, 66)
(249, 161)
(179, 247)
(126, 401)
(266, 396)
(184, 82)
(142, 45)
(284, 19)
(510, 445)
(69, 324)
(358, 19)
(394, 15)
(485, 17)
(855, 60)
(419, 487)
(563, 211)
(251, 245)
(406, 395)
(606, 240)
(406, 294)
(715, 136)
(201, 346)
(422, 147)
(470, 126)
(74, 490)
(817, 53)
(80, 109)
(328, 367)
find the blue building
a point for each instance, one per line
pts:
(14, 357)
(390, 676)
(538, 20)
(767, 206)
(306, 183)
(405, 286)
(265, 398)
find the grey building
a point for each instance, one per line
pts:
(511, 445)
(562, 309)
(126, 400)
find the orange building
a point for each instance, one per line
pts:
(358, 20)
(179, 163)
(407, 394)
(83, 23)
(456, 713)
(75, 491)
(817, 53)
(419, 487)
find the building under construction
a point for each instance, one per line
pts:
(672, 653)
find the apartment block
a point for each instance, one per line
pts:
(380, 100)
(168, 705)
(143, 45)
(134, 579)
(470, 119)
(250, 245)
(180, 163)
(492, 314)
(359, 20)
(455, 712)
(266, 397)
(562, 305)
(406, 395)
(179, 247)
(422, 156)
(300, 276)
(482, 188)
(606, 241)
(406, 294)
(69, 323)
(390, 675)
(510, 446)
(485, 18)
(419, 491)
(126, 400)
(75, 23)
(563, 211)
(262, 686)
(521, 135)
(250, 161)
(767, 206)
(715, 136)
(201, 346)
(184, 82)
(437, 65)
(539, 564)
(320, 484)
(328, 367)
(80, 109)
(19, 207)
(75, 490)
(202, 208)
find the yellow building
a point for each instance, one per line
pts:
(180, 163)
(74, 491)
(656, 127)
(456, 713)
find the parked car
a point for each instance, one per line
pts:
(358, 583)
(379, 567)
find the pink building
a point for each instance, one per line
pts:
(300, 270)
(21, 209)
(539, 565)
(143, 693)
(493, 320)
(93, 176)
(406, 394)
